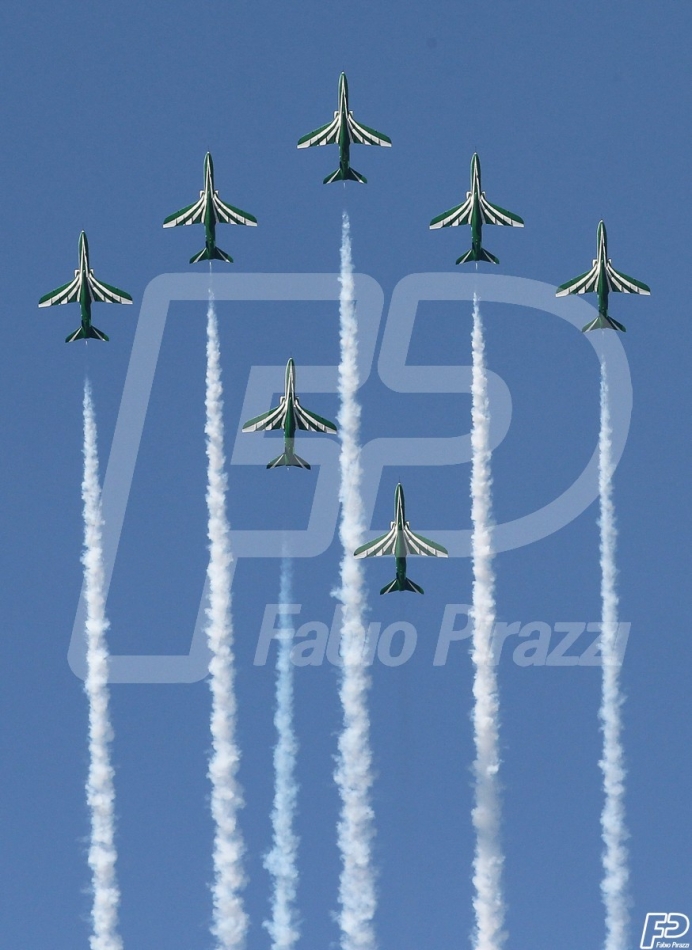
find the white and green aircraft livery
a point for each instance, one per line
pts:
(401, 542)
(342, 131)
(476, 211)
(601, 279)
(289, 415)
(210, 210)
(85, 289)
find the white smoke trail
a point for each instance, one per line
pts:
(353, 774)
(487, 866)
(229, 920)
(99, 787)
(614, 831)
(281, 862)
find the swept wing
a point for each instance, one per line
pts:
(68, 293)
(583, 284)
(461, 214)
(490, 214)
(417, 544)
(494, 214)
(616, 282)
(621, 283)
(192, 214)
(310, 421)
(413, 544)
(362, 135)
(105, 293)
(227, 214)
(274, 419)
(380, 546)
(326, 135)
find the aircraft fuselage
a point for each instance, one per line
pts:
(344, 135)
(209, 213)
(602, 287)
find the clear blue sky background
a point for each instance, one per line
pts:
(579, 111)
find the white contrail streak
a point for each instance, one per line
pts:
(614, 831)
(99, 786)
(353, 773)
(487, 866)
(229, 920)
(281, 862)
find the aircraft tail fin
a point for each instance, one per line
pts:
(406, 584)
(288, 458)
(603, 322)
(217, 255)
(93, 333)
(481, 255)
(350, 175)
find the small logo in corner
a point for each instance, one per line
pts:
(663, 930)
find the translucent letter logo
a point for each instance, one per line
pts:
(395, 372)
(663, 926)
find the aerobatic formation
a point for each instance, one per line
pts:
(399, 542)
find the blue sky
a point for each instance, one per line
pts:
(579, 112)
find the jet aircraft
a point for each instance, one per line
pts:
(476, 211)
(341, 131)
(210, 210)
(83, 290)
(601, 279)
(289, 415)
(401, 542)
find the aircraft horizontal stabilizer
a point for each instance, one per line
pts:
(288, 459)
(406, 584)
(217, 255)
(351, 175)
(481, 255)
(603, 322)
(93, 333)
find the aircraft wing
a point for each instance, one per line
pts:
(494, 214)
(455, 216)
(584, 284)
(274, 419)
(105, 293)
(227, 214)
(311, 422)
(623, 284)
(362, 135)
(383, 545)
(68, 293)
(326, 135)
(417, 544)
(193, 214)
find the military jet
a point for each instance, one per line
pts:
(289, 415)
(83, 290)
(401, 542)
(210, 210)
(601, 279)
(341, 131)
(476, 211)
